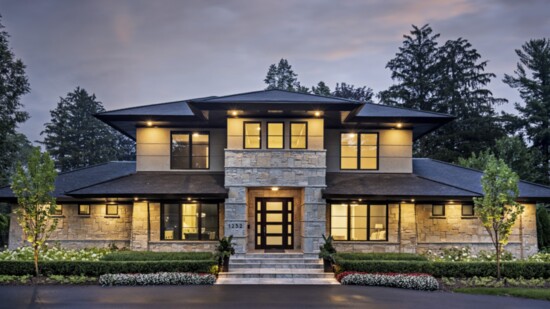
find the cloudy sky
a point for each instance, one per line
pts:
(140, 52)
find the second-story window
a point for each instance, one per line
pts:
(190, 150)
(275, 135)
(359, 151)
(252, 135)
(298, 135)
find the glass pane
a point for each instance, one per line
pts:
(339, 210)
(275, 135)
(348, 139)
(84, 209)
(112, 209)
(378, 210)
(180, 145)
(274, 206)
(180, 162)
(290, 240)
(358, 234)
(369, 139)
(209, 221)
(369, 151)
(275, 129)
(289, 218)
(368, 163)
(258, 205)
(199, 162)
(274, 217)
(171, 213)
(467, 210)
(199, 138)
(258, 217)
(348, 151)
(298, 142)
(274, 240)
(377, 222)
(258, 240)
(298, 135)
(289, 206)
(252, 142)
(190, 222)
(339, 234)
(437, 210)
(274, 229)
(200, 150)
(358, 210)
(275, 142)
(358, 222)
(289, 229)
(298, 129)
(348, 163)
(339, 222)
(251, 129)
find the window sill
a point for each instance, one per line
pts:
(438, 217)
(112, 216)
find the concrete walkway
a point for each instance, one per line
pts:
(249, 296)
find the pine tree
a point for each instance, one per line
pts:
(532, 79)
(282, 77)
(13, 85)
(321, 89)
(343, 90)
(76, 139)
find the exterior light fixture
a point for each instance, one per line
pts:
(399, 125)
(136, 199)
(195, 134)
(451, 202)
(149, 123)
(317, 113)
(188, 198)
(274, 188)
(234, 113)
(412, 200)
(360, 200)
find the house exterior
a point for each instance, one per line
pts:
(276, 170)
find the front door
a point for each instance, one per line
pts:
(274, 223)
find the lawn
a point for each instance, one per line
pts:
(542, 294)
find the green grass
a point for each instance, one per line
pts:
(156, 256)
(543, 294)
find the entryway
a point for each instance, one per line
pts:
(274, 223)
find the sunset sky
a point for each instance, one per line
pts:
(133, 53)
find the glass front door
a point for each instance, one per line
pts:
(274, 223)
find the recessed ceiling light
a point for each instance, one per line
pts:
(274, 188)
(317, 113)
(399, 125)
(149, 123)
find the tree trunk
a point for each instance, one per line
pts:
(36, 271)
(498, 256)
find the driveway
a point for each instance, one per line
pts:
(250, 296)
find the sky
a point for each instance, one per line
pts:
(133, 52)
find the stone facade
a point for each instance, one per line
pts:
(292, 169)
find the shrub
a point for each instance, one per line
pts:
(414, 281)
(380, 256)
(163, 278)
(492, 282)
(95, 269)
(156, 256)
(540, 257)
(54, 254)
(464, 254)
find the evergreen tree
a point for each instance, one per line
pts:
(321, 89)
(76, 139)
(343, 90)
(13, 85)
(532, 79)
(281, 76)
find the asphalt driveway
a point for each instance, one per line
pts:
(248, 297)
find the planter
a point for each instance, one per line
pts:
(225, 264)
(327, 265)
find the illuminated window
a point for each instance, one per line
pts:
(438, 210)
(190, 150)
(298, 135)
(58, 210)
(189, 221)
(275, 135)
(111, 210)
(84, 210)
(359, 222)
(468, 210)
(359, 151)
(252, 135)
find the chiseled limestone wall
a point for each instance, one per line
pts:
(76, 231)
(281, 168)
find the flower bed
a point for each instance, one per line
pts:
(163, 278)
(414, 281)
(54, 254)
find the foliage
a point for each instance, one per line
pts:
(540, 257)
(464, 254)
(34, 186)
(54, 254)
(72, 279)
(532, 79)
(327, 249)
(380, 256)
(77, 139)
(225, 248)
(423, 282)
(543, 227)
(13, 85)
(156, 256)
(97, 268)
(7, 279)
(321, 89)
(281, 76)
(4, 229)
(347, 91)
(543, 294)
(494, 282)
(164, 278)
(498, 209)
(515, 153)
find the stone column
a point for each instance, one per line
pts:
(409, 238)
(16, 232)
(528, 233)
(235, 218)
(139, 240)
(313, 220)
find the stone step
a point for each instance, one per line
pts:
(273, 261)
(278, 281)
(276, 265)
(273, 255)
(274, 273)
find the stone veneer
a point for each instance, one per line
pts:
(253, 169)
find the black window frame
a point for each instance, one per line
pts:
(442, 210)
(190, 133)
(267, 135)
(56, 212)
(359, 151)
(107, 210)
(244, 134)
(180, 220)
(290, 134)
(80, 213)
(367, 218)
(468, 215)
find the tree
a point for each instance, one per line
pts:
(76, 139)
(543, 228)
(343, 90)
(281, 76)
(514, 152)
(321, 89)
(34, 186)
(532, 79)
(22, 148)
(498, 209)
(13, 85)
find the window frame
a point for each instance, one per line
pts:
(88, 213)
(244, 134)
(267, 135)
(180, 220)
(442, 212)
(190, 133)
(473, 210)
(107, 210)
(348, 204)
(56, 212)
(306, 135)
(359, 151)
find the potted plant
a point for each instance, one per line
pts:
(224, 250)
(326, 253)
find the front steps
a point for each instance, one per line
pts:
(275, 268)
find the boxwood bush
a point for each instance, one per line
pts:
(156, 256)
(380, 256)
(449, 269)
(98, 268)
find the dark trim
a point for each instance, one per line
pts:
(368, 217)
(190, 133)
(178, 235)
(468, 215)
(107, 210)
(244, 134)
(263, 224)
(359, 151)
(442, 210)
(267, 134)
(306, 136)
(88, 213)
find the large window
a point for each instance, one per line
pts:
(190, 150)
(359, 221)
(189, 221)
(275, 135)
(298, 135)
(359, 151)
(252, 135)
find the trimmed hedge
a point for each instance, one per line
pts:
(95, 269)
(156, 256)
(380, 256)
(526, 270)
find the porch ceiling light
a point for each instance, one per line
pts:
(399, 125)
(234, 113)
(149, 123)
(412, 200)
(274, 188)
(317, 113)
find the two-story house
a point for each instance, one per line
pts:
(276, 170)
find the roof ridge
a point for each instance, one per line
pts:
(282, 90)
(154, 104)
